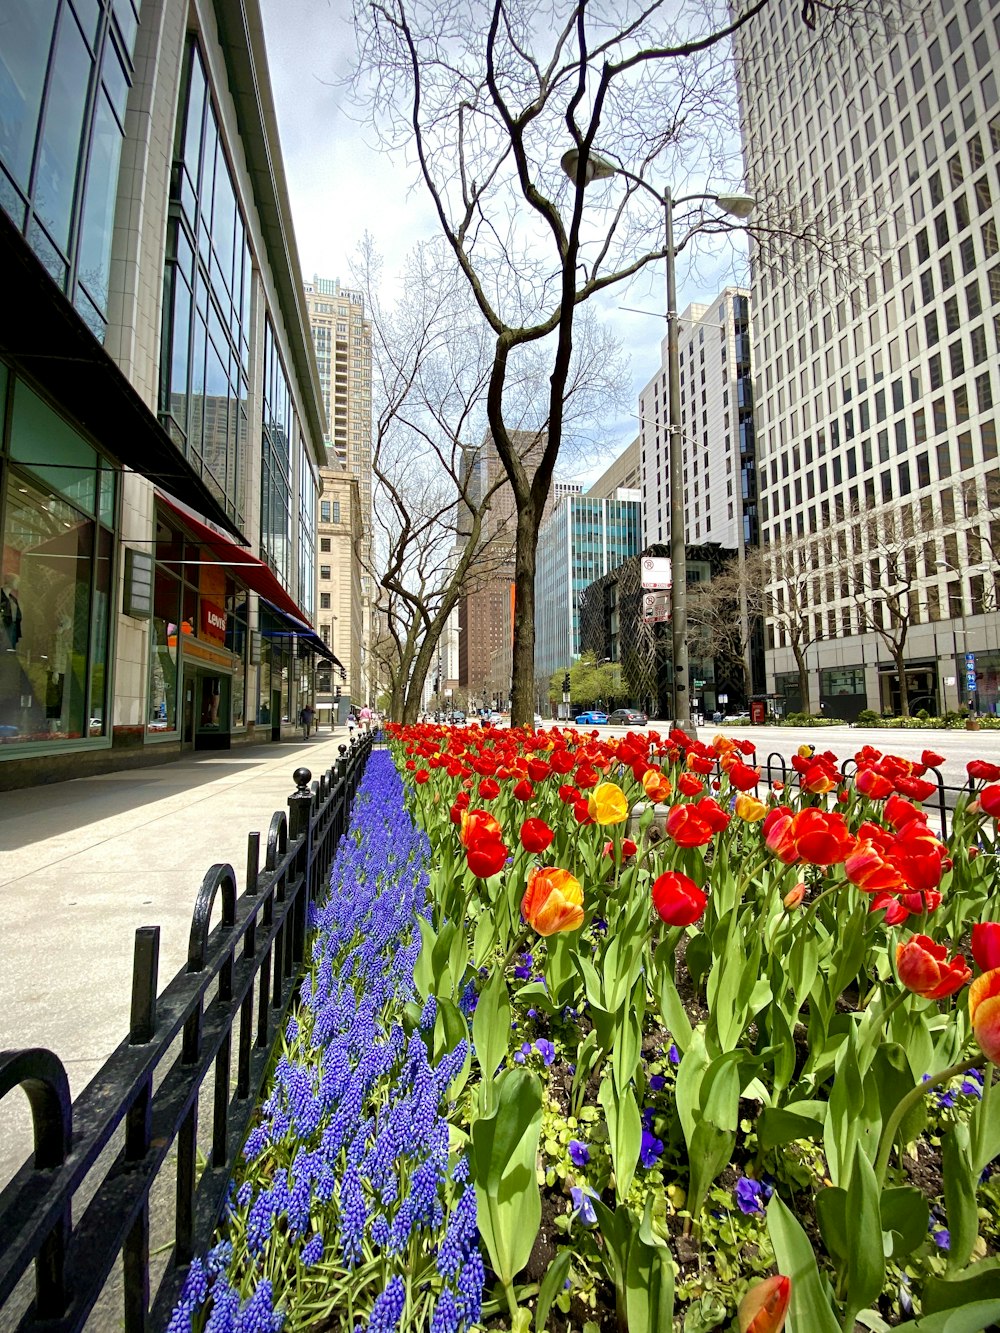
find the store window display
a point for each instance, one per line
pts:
(54, 585)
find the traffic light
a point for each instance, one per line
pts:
(566, 683)
(338, 691)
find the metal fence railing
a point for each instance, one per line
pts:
(211, 1031)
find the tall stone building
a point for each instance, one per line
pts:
(342, 336)
(877, 385)
(339, 607)
(161, 427)
(487, 602)
(720, 474)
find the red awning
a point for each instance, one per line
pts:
(246, 567)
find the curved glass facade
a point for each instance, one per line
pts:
(206, 307)
(65, 69)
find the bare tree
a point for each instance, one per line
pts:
(788, 571)
(726, 609)
(488, 99)
(436, 538)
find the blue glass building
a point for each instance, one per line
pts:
(585, 538)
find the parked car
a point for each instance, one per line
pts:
(538, 720)
(495, 717)
(627, 717)
(458, 717)
(591, 719)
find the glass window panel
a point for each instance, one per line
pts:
(163, 652)
(60, 457)
(24, 54)
(59, 153)
(99, 205)
(45, 615)
(115, 79)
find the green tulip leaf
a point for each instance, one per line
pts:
(865, 1259)
(552, 1285)
(624, 1133)
(960, 1182)
(810, 1309)
(981, 1282)
(504, 1148)
(905, 1215)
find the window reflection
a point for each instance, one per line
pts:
(45, 602)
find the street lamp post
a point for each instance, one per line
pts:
(974, 687)
(738, 206)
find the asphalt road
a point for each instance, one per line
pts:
(957, 747)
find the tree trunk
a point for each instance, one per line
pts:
(899, 658)
(522, 683)
(800, 662)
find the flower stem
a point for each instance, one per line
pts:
(905, 1105)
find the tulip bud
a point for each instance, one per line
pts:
(793, 898)
(764, 1308)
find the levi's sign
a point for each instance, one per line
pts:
(213, 620)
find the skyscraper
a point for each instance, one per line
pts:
(877, 381)
(342, 336)
(716, 425)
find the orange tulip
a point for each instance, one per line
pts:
(793, 898)
(553, 901)
(656, 786)
(984, 1011)
(764, 1308)
(608, 804)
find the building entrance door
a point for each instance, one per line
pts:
(275, 715)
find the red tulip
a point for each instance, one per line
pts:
(870, 871)
(677, 899)
(742, 776)
(919, 789)
(989, 800)
(523, 790)
(986, 945)
(819, 778)
(689, 785)
(924, 968)
(479, 826)
(778, 836)
(983, 771)
(487, 858)
(765, 1306)
(873, 785)
(821, 837)
(895, 912)
(536, 835)
(927, 900)
(900, 812)
(918, 856)
(931, 760)
(489, 789)
(984, 1011)
(694, 825)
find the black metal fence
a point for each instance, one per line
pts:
(775, 768)
(215, 1023)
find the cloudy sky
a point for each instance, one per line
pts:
(341, 185)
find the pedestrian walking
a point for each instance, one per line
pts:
(366, 718)
(306, 719)
(352, 725)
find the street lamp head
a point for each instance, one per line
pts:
(736, 205)
(597, 169)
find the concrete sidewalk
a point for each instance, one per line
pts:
(84, 863)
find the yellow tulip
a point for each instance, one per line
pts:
(749, 808)
(608, 804)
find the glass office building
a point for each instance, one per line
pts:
(157, 574)
(583, 539)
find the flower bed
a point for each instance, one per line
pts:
(676, 1043)
(353, 1207)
